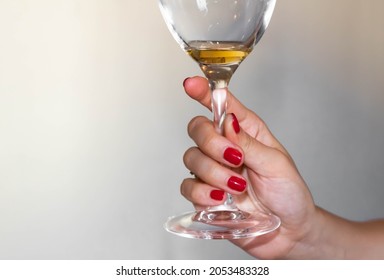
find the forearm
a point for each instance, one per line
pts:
(333, 237)
(369, 241)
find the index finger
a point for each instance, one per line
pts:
(198, 89)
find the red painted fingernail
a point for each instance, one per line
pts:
(235, 123)
(217, 195)
(185, 81)
(233, 156)
(237, 184)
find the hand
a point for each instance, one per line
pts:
(265, 166)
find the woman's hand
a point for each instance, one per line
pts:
(249, 155)
(265, 166)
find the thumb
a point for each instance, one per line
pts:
(265, 160)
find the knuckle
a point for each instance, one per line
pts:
(247, 143)
(190, 190)
(184, 187)
(189, 155)
(193, 124)
(198, 124)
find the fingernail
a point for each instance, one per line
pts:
(233, 156)
(185, 81)
(237, 184)
(235, 123)
(217, 195)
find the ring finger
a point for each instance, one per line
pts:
(213, 173)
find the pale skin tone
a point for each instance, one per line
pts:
(306, 231)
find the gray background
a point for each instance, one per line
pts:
(93, 121)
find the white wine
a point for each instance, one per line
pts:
(217, 56)
(218, 53)
(218, 60)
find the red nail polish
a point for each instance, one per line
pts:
(233, 156)
(235, 123)
(217, 195)
(237, 184)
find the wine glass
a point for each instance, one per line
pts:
(218, 35)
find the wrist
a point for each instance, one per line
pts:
(321, 238)
(328, 236)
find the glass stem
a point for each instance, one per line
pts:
(219, 103)
(219, 91)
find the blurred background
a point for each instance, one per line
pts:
(93, 121)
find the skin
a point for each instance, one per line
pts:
(306, 231)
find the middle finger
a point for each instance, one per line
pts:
(213, 173)
(212, 144)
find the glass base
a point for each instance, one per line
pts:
(222, 224)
